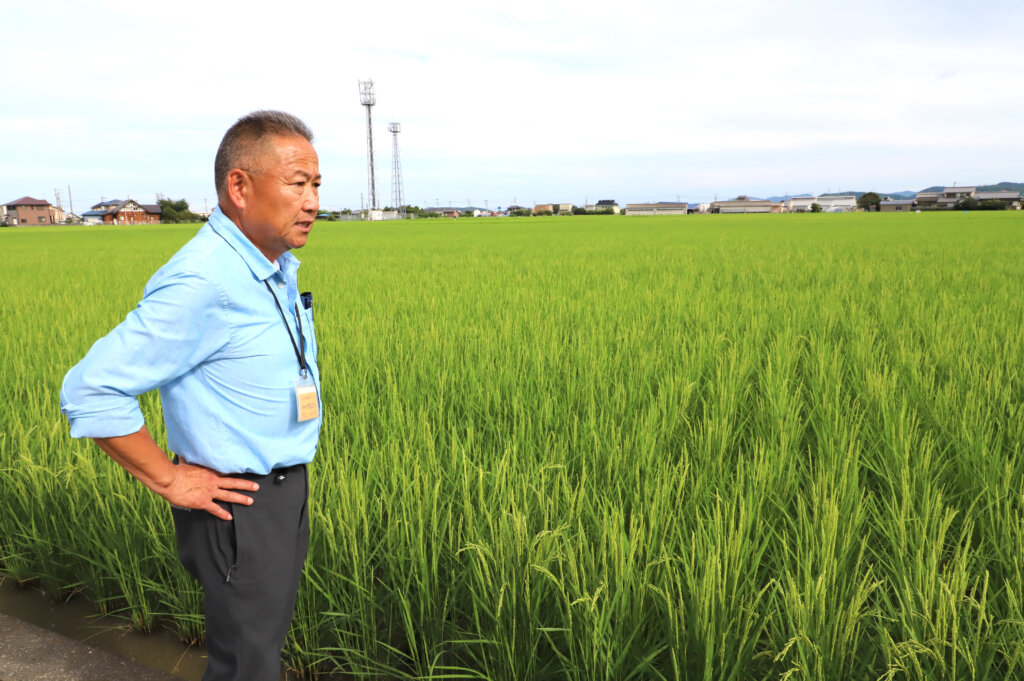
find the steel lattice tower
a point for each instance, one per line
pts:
(397, 193)
(368, 99)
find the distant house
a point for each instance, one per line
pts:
(926, 199)
(127, 212)
(828, 204)
(896, 206)
(1011, 199)
(604, 206)
(564, 208)
(659, 208)
(838, 203)
(541, 208)
(953, 195)
(801, 204)
(28, 211)
(742, 204)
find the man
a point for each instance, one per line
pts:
(224, 335)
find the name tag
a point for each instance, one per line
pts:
(305, 399)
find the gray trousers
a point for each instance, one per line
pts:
(249, 568)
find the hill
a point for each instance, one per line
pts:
(1002, 186)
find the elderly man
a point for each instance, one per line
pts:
(224, 334)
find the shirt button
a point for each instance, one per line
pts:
(280, 284)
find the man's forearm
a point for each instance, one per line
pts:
(139, 455)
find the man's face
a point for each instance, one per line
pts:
(283, 198)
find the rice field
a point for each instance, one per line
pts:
(715, 448)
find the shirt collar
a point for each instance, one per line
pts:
(262, 268)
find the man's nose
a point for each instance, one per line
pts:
(311, 201)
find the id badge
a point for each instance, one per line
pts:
(305, 399)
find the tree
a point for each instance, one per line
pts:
(970, 203)
(174, 212)
(579, 210)
(815, 207)
(869, 201)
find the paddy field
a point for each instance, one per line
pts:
(590, 447)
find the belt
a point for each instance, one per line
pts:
(278, 474)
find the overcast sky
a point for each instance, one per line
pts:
(529, 101)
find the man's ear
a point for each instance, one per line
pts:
(239, 186)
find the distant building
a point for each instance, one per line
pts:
(742, 204)
(838, 204)
(927, 199)
(564, 208)
(606, 204)
(540, 208)
(127, 212)
(28, 211)
(1011, 199)
(953, 195)
(896, 206)
(801, 204)
(660, 208)
(828, 204)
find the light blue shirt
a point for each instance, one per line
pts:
(209, 336)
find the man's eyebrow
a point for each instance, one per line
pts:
(306, 175)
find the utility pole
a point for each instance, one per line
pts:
(397, 190)
(368, 99)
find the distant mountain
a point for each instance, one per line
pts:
(906, 193)
(1002, 186)
(787, 197)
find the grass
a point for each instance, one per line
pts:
(723, 447)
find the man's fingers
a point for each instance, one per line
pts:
(234, 498)
(228, 482)
(216, 510)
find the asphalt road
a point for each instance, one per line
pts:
(31, 653)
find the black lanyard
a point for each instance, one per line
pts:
(301, 356)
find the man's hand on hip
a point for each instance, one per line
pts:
(199, 487)
(181, 484)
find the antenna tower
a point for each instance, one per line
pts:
(397, 193)
(368, 99)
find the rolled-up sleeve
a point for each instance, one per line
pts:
(181, 322)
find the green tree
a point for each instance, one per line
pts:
(174, 212)
(815, 207)
(579, 210)
(869, 201)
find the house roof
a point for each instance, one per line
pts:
(94, 213)
(983, 196)
(958, 189)
(27, 201)
(897, 202)
(661, 205)
(151, 208)
(606, 202)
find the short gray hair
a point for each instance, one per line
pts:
(245, 142)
